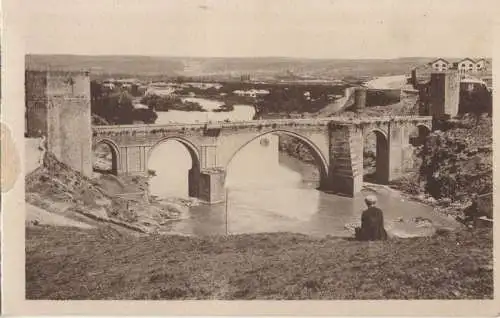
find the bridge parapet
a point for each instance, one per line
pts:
(382, 119)
(156, 128)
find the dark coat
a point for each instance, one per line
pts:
(372, 225)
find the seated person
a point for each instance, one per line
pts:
(372, 222)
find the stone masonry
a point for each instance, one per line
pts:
(336, 144)
(444, 93)
(58, 107)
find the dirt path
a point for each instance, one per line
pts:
(38, 215)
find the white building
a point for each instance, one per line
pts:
(440, 65)
(481, 64)
(466, 65)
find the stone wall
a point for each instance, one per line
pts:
(58, 106)
(410, 101)
(36, 104)
(444, 94)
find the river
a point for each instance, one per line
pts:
(266, 194)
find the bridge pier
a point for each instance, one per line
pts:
(194, 182)
(211, 185)
(398, 150)
(346, 160)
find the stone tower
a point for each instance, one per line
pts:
(58, 107)
(444, 94)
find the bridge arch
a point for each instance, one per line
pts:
(115, 153)
(424, 126)
(194, 153)
(382, 154)
(421, 131)
(191, 148)
(377, 131)
(319, 158)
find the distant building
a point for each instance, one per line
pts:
(140, 106)
(109, 86)
(481, 64)
(472, 84)
(251, 93)
(440, 65)
(464, 66)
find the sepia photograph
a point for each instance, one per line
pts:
(258, 150)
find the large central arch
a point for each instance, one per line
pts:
(194, 172)
(319, 158)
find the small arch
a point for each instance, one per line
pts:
(381, 157)
(320, 160)
(377, 131)
(115, 154)
(421, 133)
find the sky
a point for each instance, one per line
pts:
(248, 28)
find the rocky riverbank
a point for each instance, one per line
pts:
(59, 190)
(457, 166)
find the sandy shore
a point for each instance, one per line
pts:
(387, 82)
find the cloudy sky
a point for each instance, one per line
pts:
(294, 28)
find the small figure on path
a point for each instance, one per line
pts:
(372, 222)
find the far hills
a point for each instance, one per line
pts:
(258, 67)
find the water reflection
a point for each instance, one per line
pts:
(171, 162)
(240, 113)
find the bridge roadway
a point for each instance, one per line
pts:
(335, 142)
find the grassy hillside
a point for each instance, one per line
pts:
(63, 263)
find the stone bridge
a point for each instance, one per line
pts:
(336, 143)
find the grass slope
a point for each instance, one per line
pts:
(63, 263)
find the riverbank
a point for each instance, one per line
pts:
(64, 263)
(60, 195)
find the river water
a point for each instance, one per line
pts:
(267, 195)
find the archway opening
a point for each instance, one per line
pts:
(376, 158)
(105, 159)
(418, 135)
(277, 158)
(272, 181)
(174, 169)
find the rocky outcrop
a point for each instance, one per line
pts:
(55, 184)
(457, 162)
